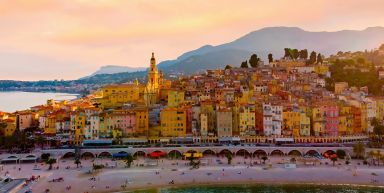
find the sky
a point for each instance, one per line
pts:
(69, 39)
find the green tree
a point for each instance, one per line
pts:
(227, 67)
(40, 140)
(303, 54)
(229, 158)
(340, 153)
(128, 160)
(50, 162)
(254, 61)
(77, 162)
(295, 54)
(360, 60)
(359, 149)
(96, 167)
(378, 130)
(10, 142)
(312, 58)
(334, 160)
(270, 58)
(374, 122)
(287, 53)
(319, 59)
(264, 158)
(244, 64)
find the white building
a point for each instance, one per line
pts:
(272, 119)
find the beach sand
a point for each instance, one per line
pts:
(124, 179)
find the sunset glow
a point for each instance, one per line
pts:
(41, 37)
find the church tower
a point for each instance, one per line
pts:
(153, 74)
(152, 88)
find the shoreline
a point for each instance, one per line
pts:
(244, 183)
(256, 180)
(153, 179)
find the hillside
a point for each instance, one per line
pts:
(274, 40)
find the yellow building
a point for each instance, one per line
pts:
(175, 98)
(321, 69)
(291, 123)
(247, 120)
(364, 117)
(141, 121)
(318, 121)
(305, 124)
(173, 122)
(340, 87)
(117, 95)
(203, 125)
(51, 125)
(78, 123)
(380, 109)
(208, 109)
(345, 120)
(7, 127)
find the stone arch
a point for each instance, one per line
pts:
(243, 152)
(174, 154)
(105, 154)
(277, 152)
(225, 151)
(312, 152)
(68, 155)
(30, 156)
(139, 154)
(259, 153)
(295, 152)
(87, 155)
(209, 152)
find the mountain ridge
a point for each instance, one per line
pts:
(274, 40)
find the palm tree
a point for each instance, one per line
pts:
(50, 161)
(77, 162)
(376, 155)
(264, 158)
(10, 142)
(128, 160)
(359, 149)
(22, 140)
(334, 159)
(229, 158)
(191, 159)
(40, 140)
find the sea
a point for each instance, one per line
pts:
(14, 100)
(286, 188)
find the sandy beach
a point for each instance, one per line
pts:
(216, 172)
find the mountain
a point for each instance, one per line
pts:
(274, 40)
(262, 42)
(210, 60)
(111, 69)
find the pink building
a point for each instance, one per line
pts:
(124, 120)
(331, 120)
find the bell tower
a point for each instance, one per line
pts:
(153, 74)
(152, 90)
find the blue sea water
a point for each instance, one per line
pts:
(13, 101)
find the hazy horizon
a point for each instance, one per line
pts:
(45, 40)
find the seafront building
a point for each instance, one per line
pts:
(282, 100)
